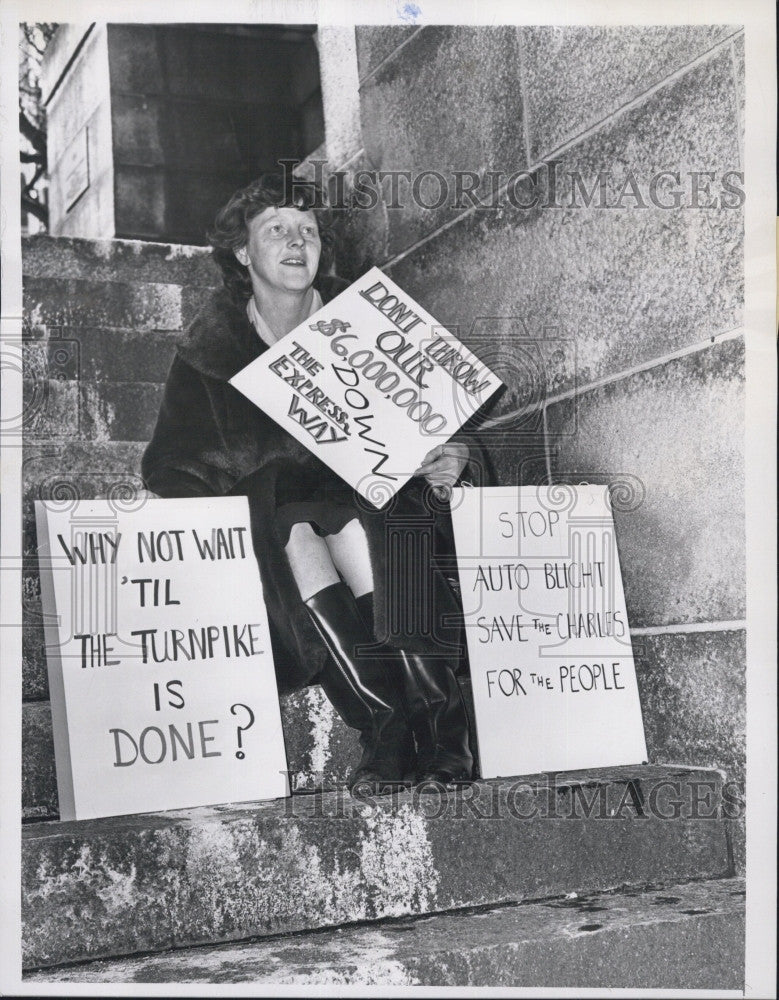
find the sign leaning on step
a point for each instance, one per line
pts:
(554, 684)
(369, 383)
(163, 691)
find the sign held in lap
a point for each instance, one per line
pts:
(369, 383)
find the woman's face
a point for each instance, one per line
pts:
(282, 250)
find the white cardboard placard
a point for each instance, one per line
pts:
(369, 383)
(552, 670)
(163, 692)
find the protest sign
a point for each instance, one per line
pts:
(554, 683)
(369, 383)
(163, 692)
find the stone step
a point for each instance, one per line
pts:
(61, 468)
(65, 304)
(118, 260)
(90, 410)
(673, 937)
(98, 354)
(150, 882)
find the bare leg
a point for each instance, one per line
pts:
(310, 561)
(349, 552)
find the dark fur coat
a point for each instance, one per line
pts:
(211, 441)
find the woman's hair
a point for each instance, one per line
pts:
(231, 226)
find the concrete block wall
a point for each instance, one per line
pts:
(618, 330)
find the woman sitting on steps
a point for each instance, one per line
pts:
(358, 598)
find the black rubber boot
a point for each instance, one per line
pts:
(361, 692)
(435, 711)
(365, 607)
(439, 720)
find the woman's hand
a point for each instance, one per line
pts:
(443, 466)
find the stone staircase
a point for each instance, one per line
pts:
(616, 877)
(153, 882)
(680, 937)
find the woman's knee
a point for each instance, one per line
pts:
(303, 538)
(352, 535)
(310, 561)
(349, 552)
